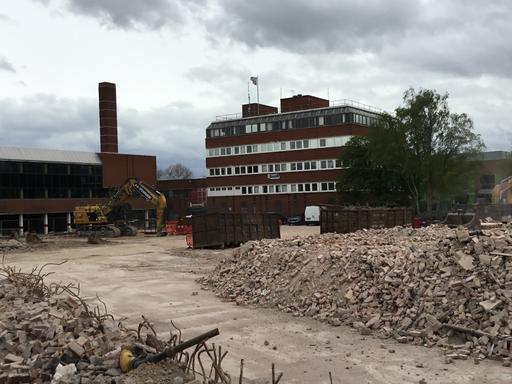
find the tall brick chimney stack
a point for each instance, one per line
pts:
(108, 117)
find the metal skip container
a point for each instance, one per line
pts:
(231, 229)
(345, 220)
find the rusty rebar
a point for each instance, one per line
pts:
(240, 379)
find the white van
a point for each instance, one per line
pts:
(312, 215)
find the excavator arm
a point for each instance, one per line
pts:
(134, 187)
(501, 193)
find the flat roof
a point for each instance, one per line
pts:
(495, 155)
(335, 105)
(48, 155)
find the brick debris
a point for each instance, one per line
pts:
(431, 286)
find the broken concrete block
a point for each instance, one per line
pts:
(489, 305)
(10, 358)
(76, 348)
(82, 340)
(462, 235)
(465, 261)
(16, 378)
(374, 321)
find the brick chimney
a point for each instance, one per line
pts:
(108, 117)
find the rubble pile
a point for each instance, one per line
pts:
(429, 286)
(94, 238)
(49, 335)
(11, 244)
(33, 237)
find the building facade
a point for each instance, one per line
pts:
(39, 188)
(494, 167)
(281, 162)
(184, 197)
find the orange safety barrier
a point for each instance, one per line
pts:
(183, 229)
(171, 227)
(174, 228)
(190, 240)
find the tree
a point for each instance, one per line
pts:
(175, 172)
(427, 146)
(365, 182)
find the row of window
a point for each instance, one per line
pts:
(49, 181)
(278, 146)
(36, 168)
(326, 186)
(239, 128)
(38, 180)
(276, 168)
(51, 193)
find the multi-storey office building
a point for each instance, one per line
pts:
(265, 161)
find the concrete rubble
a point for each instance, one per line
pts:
(433, 286)
(54, 338)
(11, 244)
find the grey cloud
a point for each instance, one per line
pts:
(453, 36)
(128, 14)
(132, 14)
(46, 121)
(465, 40)
(5, 65)
(302, 25)
(174, 133)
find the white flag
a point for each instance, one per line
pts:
(254, 80)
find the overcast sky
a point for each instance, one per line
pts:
(179, 63)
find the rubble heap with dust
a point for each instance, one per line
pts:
(48, 333)
(431, 286)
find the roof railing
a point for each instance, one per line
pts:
(355, 104)
(332, 103)
(230, 116)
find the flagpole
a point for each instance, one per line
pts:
(258, 92)
(249, 97)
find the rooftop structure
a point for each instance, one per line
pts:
(48, 155)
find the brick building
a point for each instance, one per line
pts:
(494, 167)
(266, 161)
(39, 188)
(184, 197)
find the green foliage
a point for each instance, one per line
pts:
(365, 182)
(424, 149)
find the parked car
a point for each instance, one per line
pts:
(294, 220)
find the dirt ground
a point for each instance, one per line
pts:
(156, 277)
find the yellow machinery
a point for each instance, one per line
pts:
(95, 218)
(502, 192)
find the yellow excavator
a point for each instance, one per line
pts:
(98, 219)
(502, 192)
